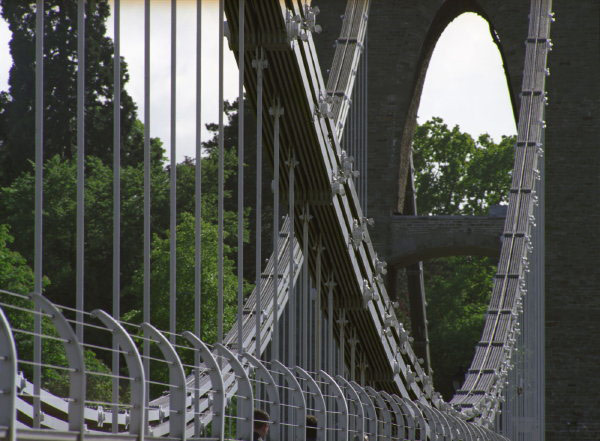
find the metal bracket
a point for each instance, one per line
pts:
(137, 424)
(325, 106)
(298, 27)
(262, 374)
(8, 379)
(178, 390)
(346, 164)
(297, 400)
(342, 405)
(359, 231)
(310, 19)
(368, 293)
(359, 423)
(216, 383)
(74, 352)
(380, 269)
(337, 186)
(320, 409)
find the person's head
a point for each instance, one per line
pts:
(261, 422)
(311, 428)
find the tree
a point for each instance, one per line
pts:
(17, 210)
(16, 277)
(60, 88)
(455, 174)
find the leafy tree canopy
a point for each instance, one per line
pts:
(457, 175)
(17, 129)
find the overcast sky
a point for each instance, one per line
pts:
(465, 82)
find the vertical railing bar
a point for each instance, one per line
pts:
(240, 229)
(198, 218)
(292, 297)
(221, 183)
(342, 322)
(259, 63)
(330, 285)
(39, 196)
(80, 165)
(353, 342)
(318, 310)
(366, 122)
(116, 288)
(74, 357)
(305, 286)
(147, 197)
(177, 381)
(173, 181)
(276, 111)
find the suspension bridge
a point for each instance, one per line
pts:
(318, 335)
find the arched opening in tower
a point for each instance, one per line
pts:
(462, 152)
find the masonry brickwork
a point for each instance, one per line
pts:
(417, 238)
(401, 38)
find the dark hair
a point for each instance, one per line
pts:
(261, 418)
(311, 428)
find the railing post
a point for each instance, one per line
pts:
(8, 379)
(178, 392)
(384, 429)
(400, 422)
(216, 383)
(409, 417)
(437, 431)
(245, 422)
(445, 423)
(360, 415)
(340, 399)
(265, 376)
(321, 412)
(370, 414)
(298, 400)
(460, 425)
(424, 428)
(74, 352)
(137, 424)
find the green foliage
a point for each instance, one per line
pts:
(60, 88)
(17, 277)
(60, 176)
(185, 280)
(457, 175)
(458, 291)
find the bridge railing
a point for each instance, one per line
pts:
(211, 398)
